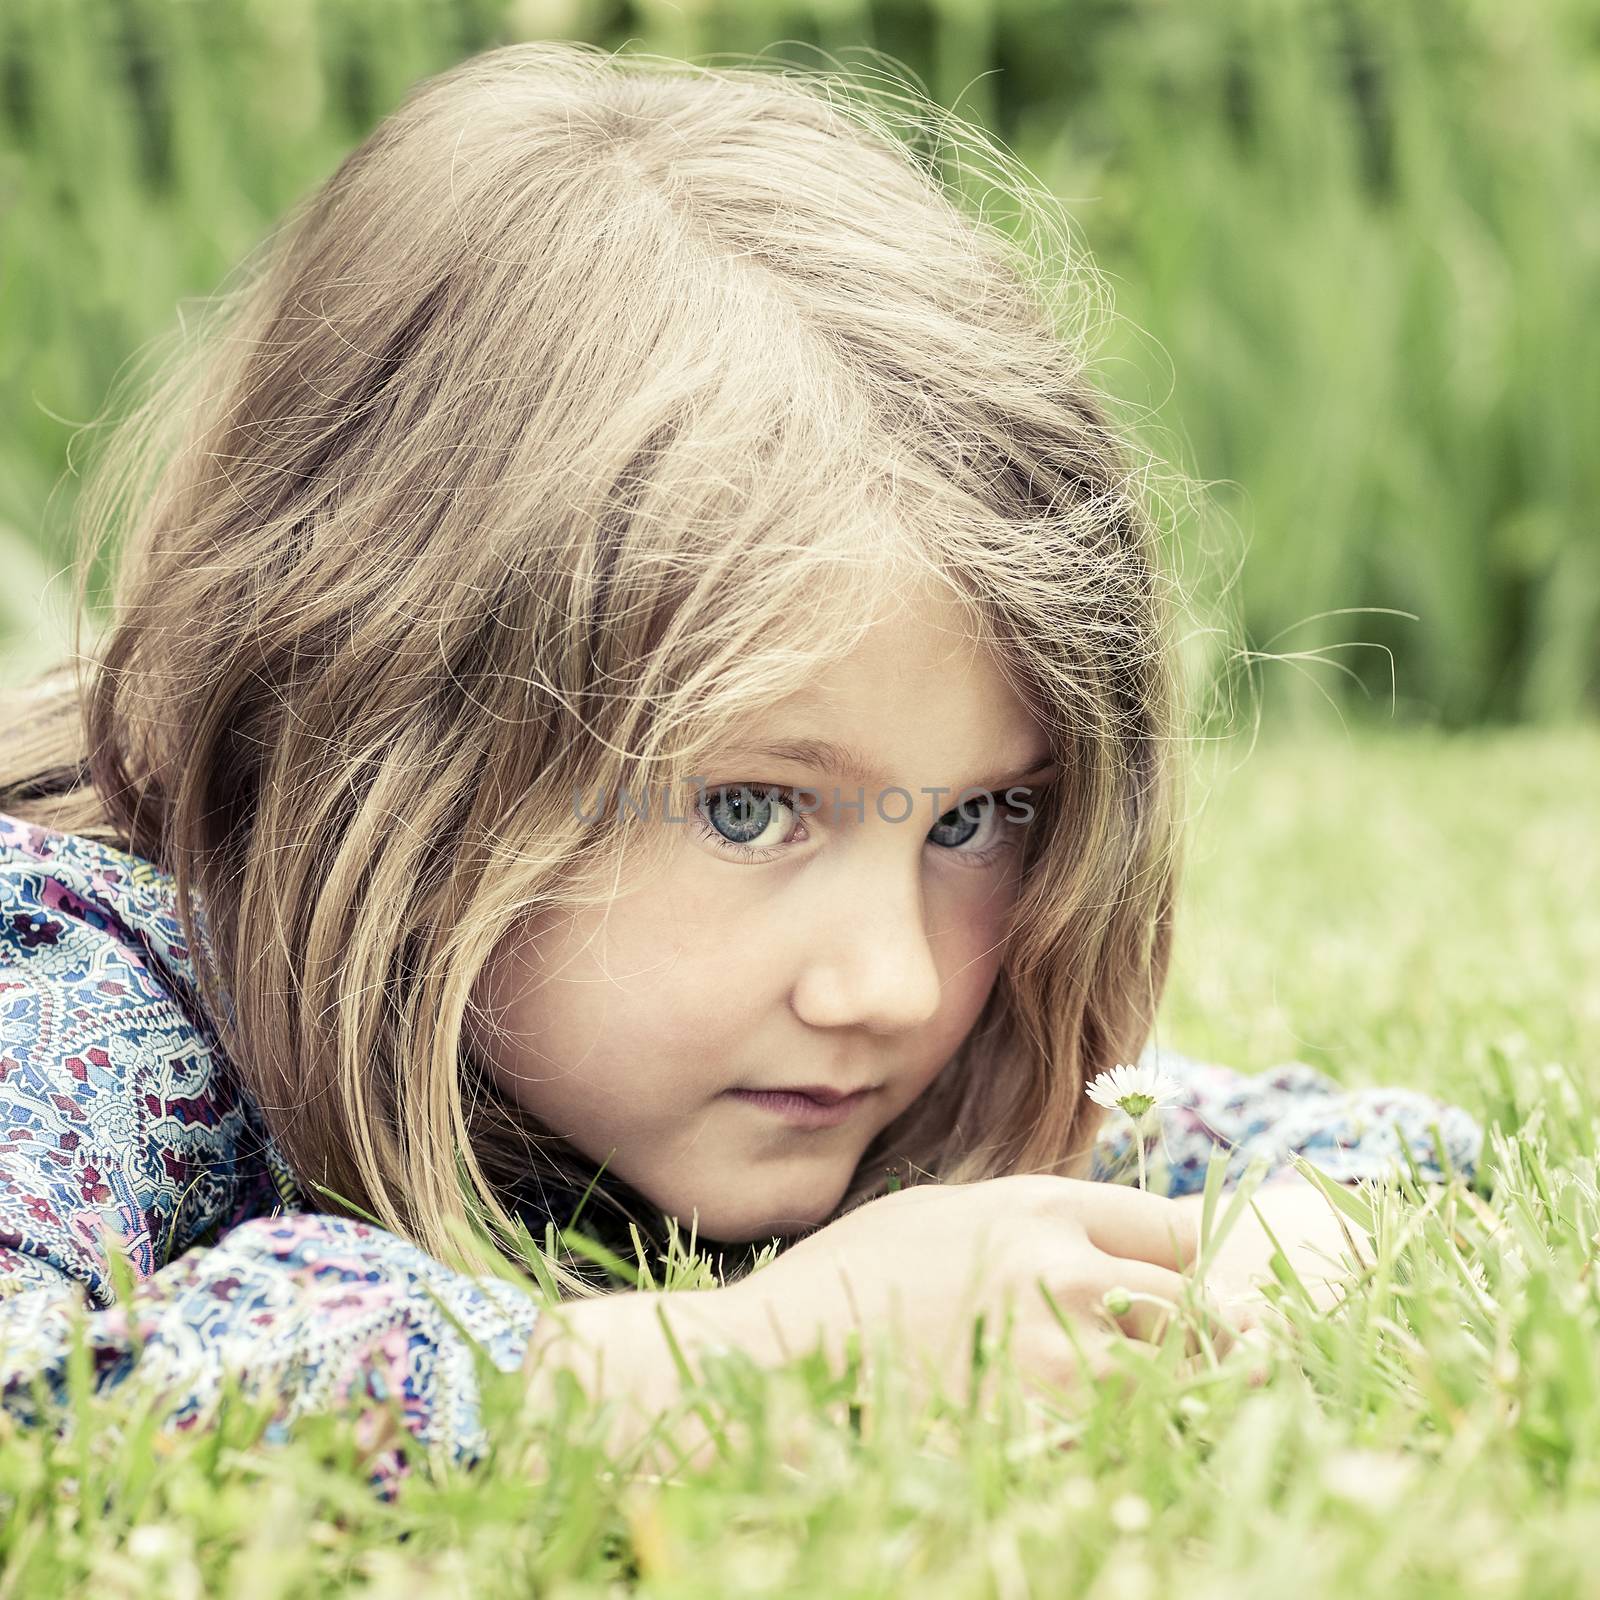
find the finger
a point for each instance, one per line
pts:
(1140, 1226)
(1255, 1359)
(1083, 1362)
(1144, 1300)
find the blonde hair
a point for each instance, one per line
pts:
(584, 409)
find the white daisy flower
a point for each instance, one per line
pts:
(1138, 1091)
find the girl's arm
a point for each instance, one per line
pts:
(1306, 1225)
(122, 1140)
(1291, 1109)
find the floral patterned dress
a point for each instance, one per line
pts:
(129, 1150)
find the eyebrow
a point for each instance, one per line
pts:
(845, 761)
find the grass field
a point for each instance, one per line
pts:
(1417, 910)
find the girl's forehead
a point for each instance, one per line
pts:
(901, 633)
(914, 681)
(873, 728)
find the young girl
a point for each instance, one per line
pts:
(636, 650)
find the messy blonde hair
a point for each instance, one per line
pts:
(590, 404)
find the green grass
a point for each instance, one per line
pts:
(1401, 910)
(1354, 247)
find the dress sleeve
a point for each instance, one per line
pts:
(1349, 1134)
(122, 1135)
(320, 1313)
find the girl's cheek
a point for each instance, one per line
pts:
(975, 978)
(973, 959)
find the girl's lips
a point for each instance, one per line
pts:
(800, 1110)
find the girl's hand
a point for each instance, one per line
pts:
(918, 1266)
(1306, 1225)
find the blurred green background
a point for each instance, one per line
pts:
(1354, 248)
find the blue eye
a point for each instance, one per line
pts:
(958, 827)
(757, 821)
(741, 816)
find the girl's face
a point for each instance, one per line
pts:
(779, 948)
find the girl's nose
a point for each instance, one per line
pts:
(870, 964)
